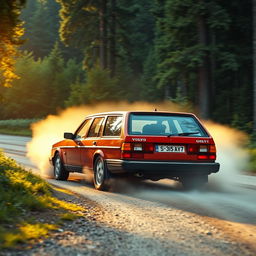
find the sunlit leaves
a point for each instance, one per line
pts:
(10, 33)
(79, 22)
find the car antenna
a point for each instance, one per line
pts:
(155, 109)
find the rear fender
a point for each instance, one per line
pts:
(96, 154)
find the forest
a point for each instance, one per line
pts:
(68, 53)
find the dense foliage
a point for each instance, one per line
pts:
(85, 51)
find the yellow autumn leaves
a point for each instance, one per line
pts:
(10, 39)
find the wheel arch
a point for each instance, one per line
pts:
(57, 152)
(97, 154)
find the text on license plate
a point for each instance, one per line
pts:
(170, 148)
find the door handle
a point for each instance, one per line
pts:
(79, 143)
(94, 143)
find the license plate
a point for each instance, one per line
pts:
(170, 148)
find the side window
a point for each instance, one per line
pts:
(95, 127)
(113, 126)
(84, 129)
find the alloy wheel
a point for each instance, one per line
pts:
(99, 172)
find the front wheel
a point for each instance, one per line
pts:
(60, 172)
(101, 174)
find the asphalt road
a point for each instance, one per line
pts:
(165, 220)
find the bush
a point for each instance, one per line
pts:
(17, 126)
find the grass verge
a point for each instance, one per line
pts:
(252, 160)
(28, 208)
(17, 126)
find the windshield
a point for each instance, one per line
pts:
(165, 125)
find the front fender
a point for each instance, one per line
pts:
(54, 151)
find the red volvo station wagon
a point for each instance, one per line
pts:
(147, 145)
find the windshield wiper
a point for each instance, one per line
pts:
(182, 134)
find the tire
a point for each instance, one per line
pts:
(194, 183)
(60, 173)
(101, 174)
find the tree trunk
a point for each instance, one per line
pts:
(254, 64)
(212, 82)
(112, 46)
(103, 34)
(203, 71)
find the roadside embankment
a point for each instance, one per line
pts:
(29, 208)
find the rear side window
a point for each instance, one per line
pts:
(113, 126)
(164, 125)
(95, 127)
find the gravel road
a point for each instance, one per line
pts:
(150, 219)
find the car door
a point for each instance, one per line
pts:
(111, 140)
(73, 153)
(90, 143)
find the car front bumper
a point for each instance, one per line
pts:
(161, 168)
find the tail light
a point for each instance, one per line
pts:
(198, 148)
(193, 149)
(202, 157)
(136, 150)
(203, 152)
(203, 148)
(206, 157)
(126, 155)
(126, 147)
(212, 149)
(212, 157)
(137, 147)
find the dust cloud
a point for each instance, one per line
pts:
(231, 154)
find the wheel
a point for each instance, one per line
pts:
(60, 172)
(101, 174)
(197, 182)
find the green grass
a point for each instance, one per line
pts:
(26, 231)
(252, 160)
(17, 126)
(68, 216)
(21, 194)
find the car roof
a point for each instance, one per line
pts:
(139, 112)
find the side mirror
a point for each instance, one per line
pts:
(69, 135)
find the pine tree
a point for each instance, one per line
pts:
(254, 65)
(184, 48)
(41, 26)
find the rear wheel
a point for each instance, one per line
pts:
(60, 172)
(197, 182)
(101, 174)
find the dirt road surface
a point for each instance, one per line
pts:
(151, 218)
